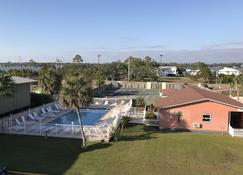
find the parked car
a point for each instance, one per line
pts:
(3, 170)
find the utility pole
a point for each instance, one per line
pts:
(99, 74)
(21, 68)
(98, 58)
(128, 72)
(161, 56)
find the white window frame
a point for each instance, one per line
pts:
(210, 118)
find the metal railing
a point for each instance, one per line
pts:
(100, 131)
(137, 113)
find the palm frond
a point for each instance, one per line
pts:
(6, 85)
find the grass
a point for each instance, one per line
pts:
(141, 151)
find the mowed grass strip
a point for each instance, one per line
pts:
(141, 150)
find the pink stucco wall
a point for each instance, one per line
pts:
(193, 114)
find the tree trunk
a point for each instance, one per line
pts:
(238, 92)
(230, 91)
(81, 128)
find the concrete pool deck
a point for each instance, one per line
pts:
(111, 113)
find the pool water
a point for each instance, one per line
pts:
(88, 117)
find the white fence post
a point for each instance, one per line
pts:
(24, 127)
(144, 114)
(72, 128)
(40, 127)
(56, 129)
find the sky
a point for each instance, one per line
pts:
(43, 30)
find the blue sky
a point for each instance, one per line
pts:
(46, 29)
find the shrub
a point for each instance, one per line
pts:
(40, 99)
(140, 102)
(150, 115)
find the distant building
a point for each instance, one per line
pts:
(215, 69)
(192, 72)
(20, 98)
(168, 70)
(6, 67)
(229, 71)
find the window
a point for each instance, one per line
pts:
(206, 118)
(178, 116)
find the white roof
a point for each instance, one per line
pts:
(167, 67)
(229, 69)
(21, 80)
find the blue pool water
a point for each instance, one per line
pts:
(88, 116)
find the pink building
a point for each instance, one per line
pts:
(192, 108)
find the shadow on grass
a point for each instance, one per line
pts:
(95, 146)
(140, 137)
(57, 155)
(31, 154)
(168, 131)
(138, 133)
(141, 132)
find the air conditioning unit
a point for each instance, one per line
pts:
(196, 125)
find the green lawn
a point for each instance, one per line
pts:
(142, 151)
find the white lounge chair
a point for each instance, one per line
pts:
(53, 110)
(18, 122)
(25, 121)
(38, 117)
(48, 111)
(58, 107)
(106, 103)
(97, 103)
(44, 113)
(17, 127)
(114, 104)
(32, 117)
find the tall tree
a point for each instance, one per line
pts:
(230, 80)
(221, 78)
(77, 59)
(6, 85)
(238, 80)
(49, 80)
(75, 93)
(140, 70)
(204, 71)
(31, 62)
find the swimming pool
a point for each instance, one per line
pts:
(88, 117)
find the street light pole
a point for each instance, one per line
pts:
(161, 56)
(98, 58)
(99, 74)
(21, 68)
(128, 72)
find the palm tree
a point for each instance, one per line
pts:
(6, 85)
(75, 93)
(140, 102)
(237, 80)
(119, 130)
(49, 80)
(221, 78)
(124, 121)
(231, 83)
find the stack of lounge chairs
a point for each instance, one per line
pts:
(31, 118)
